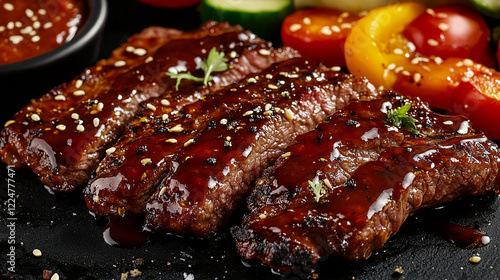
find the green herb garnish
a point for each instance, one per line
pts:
(398, 117)
(215, 62)
(317, 189)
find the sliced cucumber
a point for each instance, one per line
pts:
(488, 7)
(263, 17)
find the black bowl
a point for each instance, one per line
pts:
(30, 78)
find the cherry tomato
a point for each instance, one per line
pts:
(479, 100)
(175, 4)
(318, 34)
(452, 31)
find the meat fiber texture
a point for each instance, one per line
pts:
(213, 151)
(369, 176)
(63, 135)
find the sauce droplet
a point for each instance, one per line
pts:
(126, 231)
(461, 236)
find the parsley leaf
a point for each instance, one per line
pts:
(180, 76)
(215, 62)
(398, 117)
(317, 189)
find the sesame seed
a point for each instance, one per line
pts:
(268, 107)
(37, 253)
(120, 63)
(417, 77)
(398, 51)
(149, 59)
(29, 13)
(442, 15)
(171, 140)
(448, 122)
(295, 27)
(336, 68)
(19, 24)
(326, 31)
(79, 92)
(415, 61)
(60, 97)
(163, 190)
(465, 79)
(129, 49)
(475, 259)
(289, 114)
(391, 66)
(80, 128)
(248, 113)
(251, 81)
(327, 183)
(48, 25)
(468, 62)
(96, 122)
(35, 39)
(269, 76)
(16, 39)
(2, 28)
(55, 276)
(78, 83)
(100, 106)
(406, 73)
(459, 64)
(35, 118)
(140, 52)
(145, 161)
(189, 142)
(9, 123)
(287, 154)
(26, 30)
(233, 54)
(10, 25)
(443, 26)
(42, 12)
(432, 42)
(399, 69)
(346, 26)
(165, 102)
(335, 29)
(223, 121)
(271, 86)
(8, 6)
(306, 20)
(164, 117)
(151, 107)
(177, 128)
(438, 60)
(264, 52)
(61, 127)
(431, 12)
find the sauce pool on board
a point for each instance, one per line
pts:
(29, 28)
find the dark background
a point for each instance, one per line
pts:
(71, 239)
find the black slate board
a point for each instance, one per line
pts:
(71, 239)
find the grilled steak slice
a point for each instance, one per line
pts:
(381, 183)
(125, 178)
(63, 135)
(208, 178)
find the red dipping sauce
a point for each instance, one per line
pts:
(29, 28)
